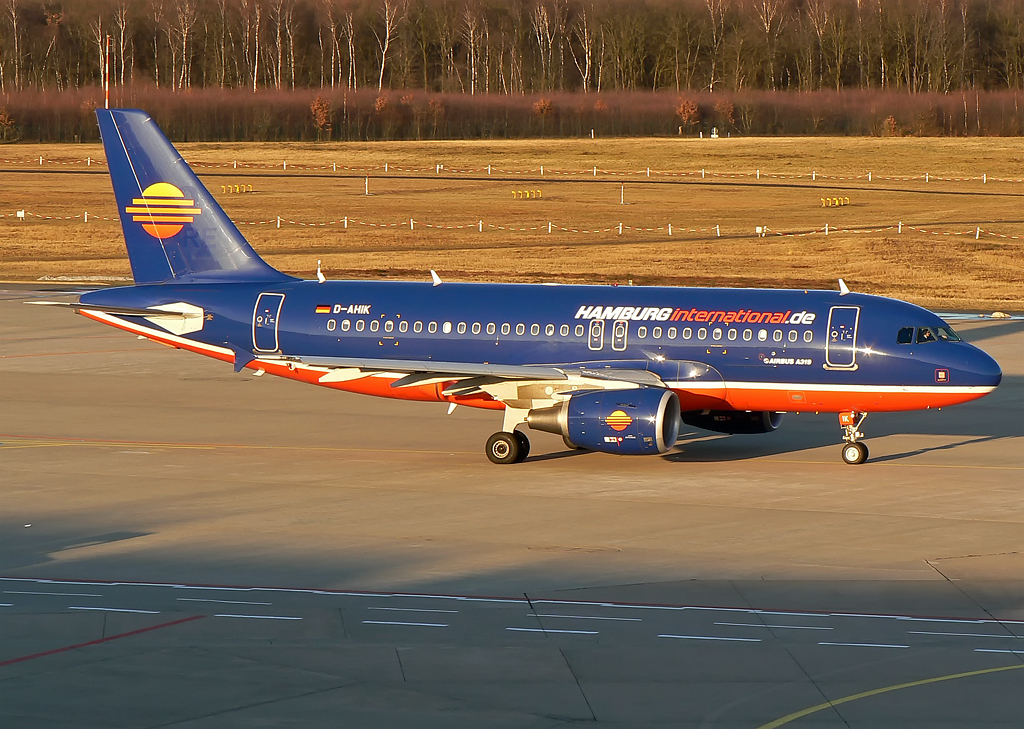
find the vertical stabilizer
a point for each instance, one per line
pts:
(173, 228)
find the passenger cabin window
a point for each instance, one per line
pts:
(490, 328)
(717, 334)
(549, 330)
(641, 332)
(446, 328)
(403, 326)
(432, 327)
(687, 333)
(808, 335)
(476, 327)
(417, 327)
(346, 325)
(535, 329)
(564, 330)
(360, 325)
(793, 334)
(389, 326)
(506, 328)
(656, 332)
(747, 335)
(462, 327)
(732, 335)
(672, 332)
(374, 325)
(579, 330)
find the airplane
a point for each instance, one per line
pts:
(614, 369)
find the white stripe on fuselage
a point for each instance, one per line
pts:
(674, 385)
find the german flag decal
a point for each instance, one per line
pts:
(163, 210)
(323, 309)
(618, 421)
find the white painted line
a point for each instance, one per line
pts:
(412, 610)
(787, 627)
(6, 604)
(867, 645)
(114, 610)
(257, 617)
(61, 594)
(581, 617)
(551, 630)
(965, 635)
(711, 637)
(396, 622)
(996, 650)
(222, 602)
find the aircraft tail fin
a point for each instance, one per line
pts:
(173, 227)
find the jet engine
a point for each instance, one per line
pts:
(638, 421)
(734, 421)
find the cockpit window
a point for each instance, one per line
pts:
(905, 336)
(935, 334)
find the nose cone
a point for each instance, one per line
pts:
(980, 369)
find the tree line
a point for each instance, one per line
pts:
(517, 47)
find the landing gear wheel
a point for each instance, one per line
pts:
(854, 453)
(503, 448)
(524, 445)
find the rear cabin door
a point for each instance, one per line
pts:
(841, 347)
(264, 322)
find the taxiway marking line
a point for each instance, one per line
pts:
(257, 617)
(965, 635)
(412, 610)
(398, 622)
(60, 594)
(710, 637)
(885, 689)
(866, 645)
(582, 617)
(221, 602)
(100, 640)
(787, 627)
(552, 630)
(113, 610)
(896, 465)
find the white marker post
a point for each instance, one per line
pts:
(367, 187)
(670, 229)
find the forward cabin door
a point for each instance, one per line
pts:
(264, 322)
(841, 346)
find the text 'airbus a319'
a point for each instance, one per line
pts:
(611, 369)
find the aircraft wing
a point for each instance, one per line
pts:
(437, 371)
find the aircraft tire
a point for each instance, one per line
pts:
(524, 445)
(503, 448)
(855, 453)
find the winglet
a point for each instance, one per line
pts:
(843, 288)
(437, 279)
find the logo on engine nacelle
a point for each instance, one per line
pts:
(618, 420)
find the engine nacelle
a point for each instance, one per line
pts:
(640, 421)
(734, 421)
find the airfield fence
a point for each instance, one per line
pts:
(540, 171)
(550, 227)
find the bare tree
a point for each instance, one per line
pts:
(391, 12)
(583, 33)
(770, 18)
(471, 35)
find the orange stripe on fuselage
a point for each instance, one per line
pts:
(770, 397)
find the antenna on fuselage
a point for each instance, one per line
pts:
(435, 278)
(843, 288)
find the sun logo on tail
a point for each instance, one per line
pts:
(163, 210)
(618, 420)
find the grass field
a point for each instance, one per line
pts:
(936, 270)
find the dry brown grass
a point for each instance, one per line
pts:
(934, 270)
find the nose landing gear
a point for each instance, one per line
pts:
(853, 452)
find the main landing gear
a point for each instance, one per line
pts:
(511, 447)
(854, 452)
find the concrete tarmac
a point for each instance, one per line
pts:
(184, 546)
